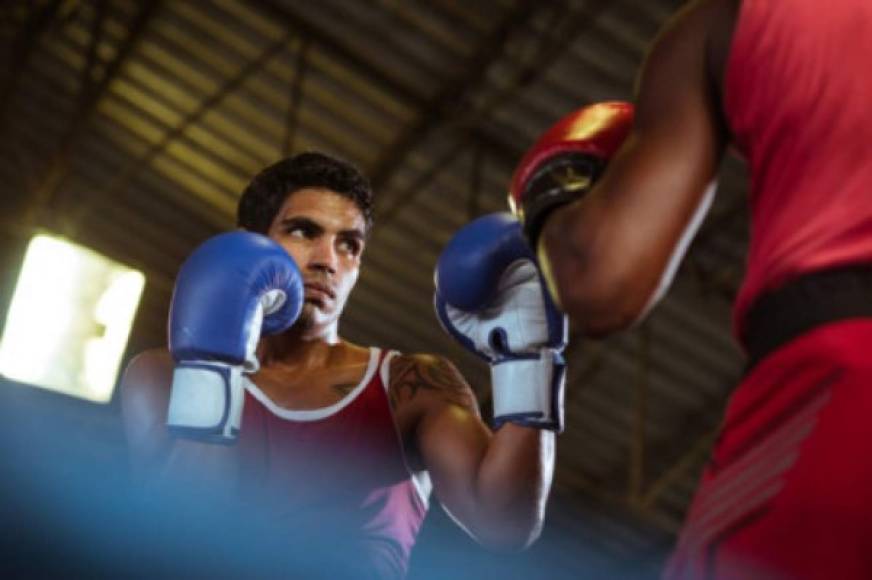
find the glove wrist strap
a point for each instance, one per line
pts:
(529, 391)
(206, 401)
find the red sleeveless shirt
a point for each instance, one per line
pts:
(338, 471)
(798, 99)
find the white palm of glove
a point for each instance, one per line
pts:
(515, 323)
(513, 334)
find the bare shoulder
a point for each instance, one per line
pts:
(419, 381)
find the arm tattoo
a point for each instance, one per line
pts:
(412, 376)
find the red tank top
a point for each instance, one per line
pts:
(340, 468)
(798, 98)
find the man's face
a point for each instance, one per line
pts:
(324, 232)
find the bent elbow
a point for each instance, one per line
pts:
(599, 291)
(601, 307)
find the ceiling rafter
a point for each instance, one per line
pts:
(445, 104)
(58, 170)
(415, 98)
(638, 437)
(22, 48)
(332, 43)
(443, 112)
(295, 100)
(133, 167)
(92, 58)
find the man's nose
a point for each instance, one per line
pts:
(323, 257)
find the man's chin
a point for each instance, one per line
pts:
(312, 316)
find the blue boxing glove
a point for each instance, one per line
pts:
(491, 297)
(234, 287)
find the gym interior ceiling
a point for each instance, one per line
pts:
(132, 127)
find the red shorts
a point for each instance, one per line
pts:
(788, 491)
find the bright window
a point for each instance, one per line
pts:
(69, 319)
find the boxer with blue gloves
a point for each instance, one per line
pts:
(491, 297)
(338, 443)
(233, 288)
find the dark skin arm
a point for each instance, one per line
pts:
(606, 253)
(495, 485)
(157, 459)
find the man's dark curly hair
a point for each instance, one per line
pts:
(264, 196)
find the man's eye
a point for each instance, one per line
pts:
(350, 247)
(297, 232)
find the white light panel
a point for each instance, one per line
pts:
(69, 319)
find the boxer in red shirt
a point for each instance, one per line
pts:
(332, 446)
(787, 493)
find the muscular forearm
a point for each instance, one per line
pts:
(495, 485)
(514, 480)
(601, 287)
(571, 265)
(169, 463)
(611, 254)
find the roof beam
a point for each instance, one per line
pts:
(89, 76)
(410, 94)
(295, 100)
(22, 48)
(335, 45)
(442, 111)
(58, 170)
(444, 104)
(636, 463)
(135, 166)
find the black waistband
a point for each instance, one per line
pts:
(804, 303)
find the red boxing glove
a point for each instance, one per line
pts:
(565, 162)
